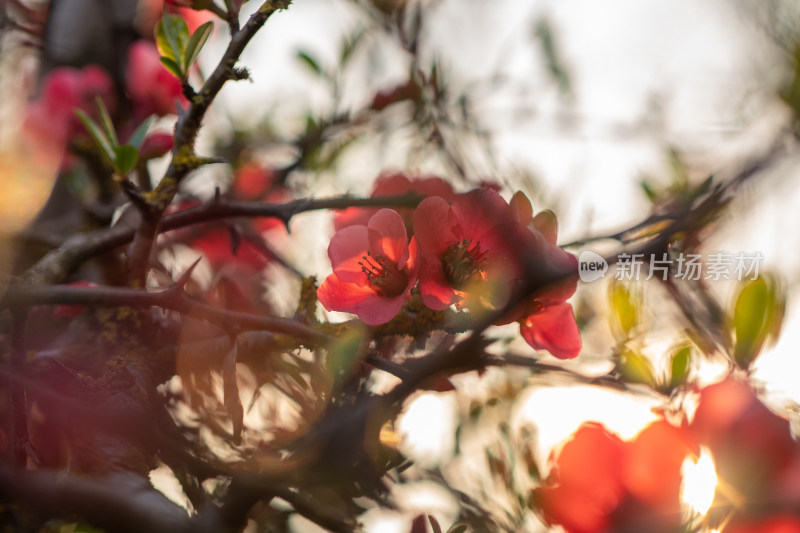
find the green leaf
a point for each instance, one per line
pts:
(126, 158)
(349, 46)
(457, 528)
(137, 137)
(624, 307)
(635, 368)
(172, 66)
(343, 356)
(681, 364)
(97, 134)
(649, 191)
(757, 315)
(172, 36)
(310, 62)
(108, 125)
(196, 43)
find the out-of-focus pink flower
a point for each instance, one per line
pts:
(155, 145)
(50, 120)
(217, 247)
(601, 483)
(753, 448)
(393, 184)
(150, 12)
(253, 181)
(257, 182)
(153, 89)
(374, 269)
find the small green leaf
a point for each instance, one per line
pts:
(457, 528)
(635, 368)
(757, 315)
(624, 307)
(97, 134)
(172, 66)
(349, 46)
(108, 125)
(126, 158)
(196, 43)
(172, 35)
(310, 62)
(649, 191)
(137, 137)
(343, 356)
(681, 364)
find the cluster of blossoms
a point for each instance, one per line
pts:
(470, 250)
(599, 482)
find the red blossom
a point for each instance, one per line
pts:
(153, 89)
(217, 246)
(257, 182)
(253, 181)
(602, 483)
(155, 145)
(392, 184)
(374, 269)
(50, 120)
(464, 244)
(753, 448)
(548, 322)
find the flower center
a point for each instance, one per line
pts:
(464, 262)
(383, 275)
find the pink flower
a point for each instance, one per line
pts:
(155, 145)
(464, 245)
(392, 185)
(153, 89)
(547, 321)
(374, 269)
(51, 119)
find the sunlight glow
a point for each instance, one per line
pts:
(699, 482)
(427, 428)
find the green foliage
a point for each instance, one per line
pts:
(625, 305)
(312, 64)
(757, 316)
(121, 158)
(635, 367)
(681, 364)
(178, 49)
(344, 355)
(137, 137)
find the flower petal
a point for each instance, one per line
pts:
(346, 250)
(553, 329)
(434, 288)
(433, 226)
(337, 295)
(388, 236)
(375, 310)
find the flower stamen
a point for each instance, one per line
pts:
(464, 262)
(383, 275)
